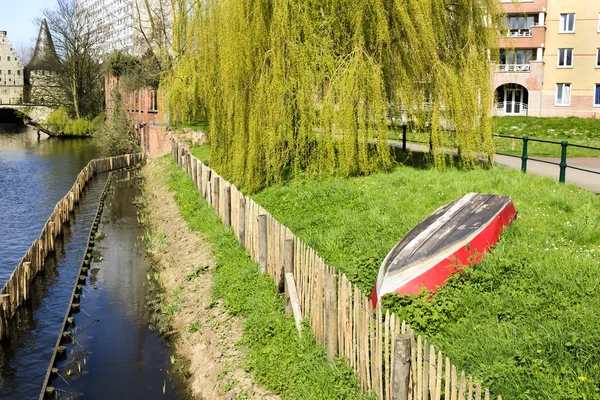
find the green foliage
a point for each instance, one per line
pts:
(60, 121)
(120, 63)
(585, 131)
(297, 85)
(134, 72)
(116, 135)
(525, 320)
(293, 367)
(202, 153)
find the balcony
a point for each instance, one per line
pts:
(521, 33)
(513, 68)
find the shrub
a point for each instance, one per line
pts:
(116, 135)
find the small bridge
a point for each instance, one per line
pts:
(35, 113)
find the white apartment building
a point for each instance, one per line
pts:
(114, 19)
(121, 22)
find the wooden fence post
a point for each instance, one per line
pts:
(288, 267)
(227, 206)
(331, 314)
(215, 194)
(26, 280)
(294, 301)
(262, 243)
(207, 193)
(242, 222)
(401, 368)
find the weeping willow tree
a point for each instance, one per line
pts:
(292, 86)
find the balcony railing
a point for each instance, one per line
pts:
(513, 68)
(521, 33)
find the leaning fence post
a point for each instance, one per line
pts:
(401, 368)
(292, 298)
(563, 161)
(331, 314)
(524, 155)
(262, 243)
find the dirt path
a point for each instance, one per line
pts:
(205, 335)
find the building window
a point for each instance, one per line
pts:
(597, 58)
(565, 58)
(563, 94)
(597, 95)
(567, 23)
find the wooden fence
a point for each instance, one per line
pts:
(381, 349)
(17, 290)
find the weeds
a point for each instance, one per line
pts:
(199, 271)
(295, 368)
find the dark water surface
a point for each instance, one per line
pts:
(34, 176)
(115, 355)
(23, 362)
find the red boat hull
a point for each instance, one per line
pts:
(435, 274)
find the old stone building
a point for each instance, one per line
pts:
(43, 70)
(12, 73)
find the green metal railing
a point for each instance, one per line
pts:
(563, 155)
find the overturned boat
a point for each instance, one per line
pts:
(455, 235)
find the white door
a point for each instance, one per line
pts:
(513, 96)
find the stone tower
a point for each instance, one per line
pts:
(43, 70)
(12, 73)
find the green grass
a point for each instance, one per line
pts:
(198, 126)
(526, 320)
(295, 368)
(583, 131)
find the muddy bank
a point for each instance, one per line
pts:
(205, 337)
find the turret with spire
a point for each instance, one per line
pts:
(42, 69)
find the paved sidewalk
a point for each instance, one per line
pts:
(585, 180)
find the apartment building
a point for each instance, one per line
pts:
(549, 59)
(12, 73)
(114, 21)
(125, 25)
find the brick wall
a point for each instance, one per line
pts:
(141, 107)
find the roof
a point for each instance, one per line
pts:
(44, 55)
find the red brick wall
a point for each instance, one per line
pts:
(537, 39)
(142, 108)
(535, 6)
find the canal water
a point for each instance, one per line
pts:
(115, 355)
(35, 173)
(34, 176)
(121, 352)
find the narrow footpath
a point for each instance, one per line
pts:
(206, 337)
(584, 180)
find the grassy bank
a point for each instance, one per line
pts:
(525, 321)
(295, 368)
(583, 131)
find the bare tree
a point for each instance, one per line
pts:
(153, 22)
(24, 52)
(79, 79)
